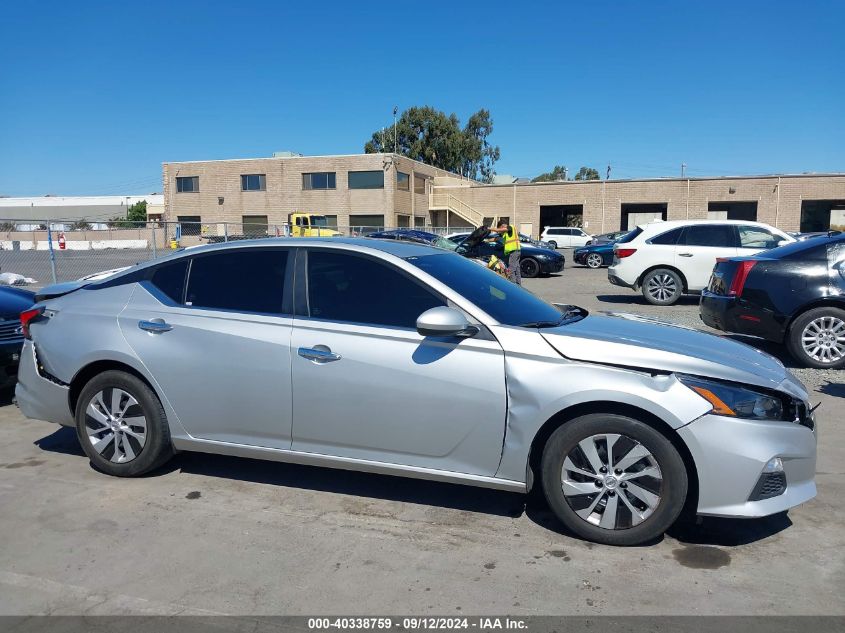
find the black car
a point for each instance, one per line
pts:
(533, 261)
(794, 294)
(13, 301)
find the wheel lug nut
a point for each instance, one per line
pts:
(603, 469)
(599, 484)
(611, 493)
(623, 485)
(617, 471)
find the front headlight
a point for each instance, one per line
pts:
(740, 402)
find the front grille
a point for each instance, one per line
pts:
(10, 330)
(769, 485)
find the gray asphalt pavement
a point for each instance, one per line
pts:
(210, 534)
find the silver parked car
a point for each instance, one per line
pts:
(399, 358)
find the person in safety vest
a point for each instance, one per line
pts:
(512, 246)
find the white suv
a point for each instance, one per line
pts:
(565, 237)
(668, 259)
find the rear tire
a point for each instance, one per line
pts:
(817, 338)
(553, 244)
(643, 504)
(594, 260)
(662, 287)
(121, 425)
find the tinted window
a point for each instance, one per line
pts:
(366, 179)
(170, 278)
(319, 180)
(667, 238)
(253, 182)
(187, 184)
(757, 237)
(354, 289)
(628, 237)
(710, 235)
(419, 183)
(249, 280)
(506, 302)
(403, 181)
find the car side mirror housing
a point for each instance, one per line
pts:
(444, 321)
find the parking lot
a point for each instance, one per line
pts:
(211, 534)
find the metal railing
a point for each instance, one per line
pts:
(453, 204)
(54, 251)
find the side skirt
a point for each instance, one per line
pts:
(346, 463)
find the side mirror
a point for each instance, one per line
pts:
(444, 321)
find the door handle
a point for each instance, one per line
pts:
(156, 326)
(318, 354)
(684, 254)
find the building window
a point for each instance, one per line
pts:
(419, 183)
(255, 225)
(403, 181)
(187, 184)
(319, 180)
(366, 180)
(191, 224)
(366, 224)
(253, 182)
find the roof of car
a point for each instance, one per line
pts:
(671, 224)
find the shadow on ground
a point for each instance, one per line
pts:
(726, 532)
(637, 299)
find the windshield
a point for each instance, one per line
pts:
(319, 220)
(442, 242)
(506, 302)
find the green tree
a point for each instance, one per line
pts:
(134, 214)
(558, 173)
(587, 173)
(80, 225)
(435, 138)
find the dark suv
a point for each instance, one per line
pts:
(794, 294)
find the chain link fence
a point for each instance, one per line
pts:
(35, 254)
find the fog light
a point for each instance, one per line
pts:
(774, 465)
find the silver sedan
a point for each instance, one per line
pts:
(403, 359)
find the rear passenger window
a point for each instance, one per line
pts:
(170, 278)
(710, 235)
(756, 237)
(354, 289)
(669, 238)
(249, 280)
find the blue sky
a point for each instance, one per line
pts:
(94, 96)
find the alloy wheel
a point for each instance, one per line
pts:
(530, 268)
(116, 425)
(611, 481)
(594, 260)
(662, 287)
(823, 339)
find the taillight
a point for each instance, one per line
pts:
(27, 317)
(741, 274)
(625, 252)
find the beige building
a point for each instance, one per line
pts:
(385, 190)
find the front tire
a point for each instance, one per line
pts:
(529, 267)
(662, 287)
(613, 479)
(817, 338)
(121, 425)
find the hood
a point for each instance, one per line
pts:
(596, 248)
(476, 237)
(629, 340)
(13, 301)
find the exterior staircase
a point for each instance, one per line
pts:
(442, 201)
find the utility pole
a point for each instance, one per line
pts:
(395, 110)
(683, 170)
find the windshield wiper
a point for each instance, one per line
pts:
(572, 313)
